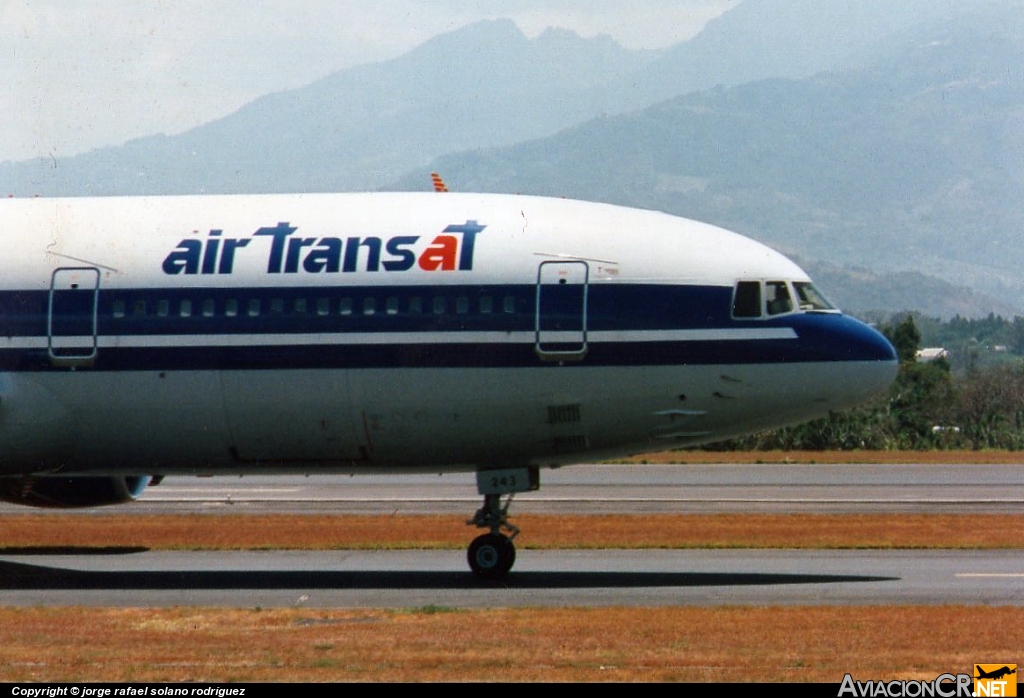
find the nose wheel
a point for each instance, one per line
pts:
(492, 555)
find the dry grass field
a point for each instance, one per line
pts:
(436, 644)
(24, 532)
(879, 457)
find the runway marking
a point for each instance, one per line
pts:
(225, 490)
(990, 574)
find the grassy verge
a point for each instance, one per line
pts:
(325, 532)
(438, 644)
(871, 457)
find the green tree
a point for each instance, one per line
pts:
(905, 337)
(920, 399)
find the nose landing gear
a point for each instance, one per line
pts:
(492, 555)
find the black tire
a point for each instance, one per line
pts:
(491, 555)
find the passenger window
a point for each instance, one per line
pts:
(486, 305)
(185, 309)
(345, 306)
(462, 305)
(439, 305)
(253, 309)
(300, 305)
(369, 306)
(163, 308)
(208, 307)
(509, 304)
(118, 308)
(323, 306)
(277, 305)
(392, 305)
(778, 298)
(139, 309)
(231, 307)
(746, 301)
(415, 305)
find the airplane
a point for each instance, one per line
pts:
(995, 674)
(142, 337)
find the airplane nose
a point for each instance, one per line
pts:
(878, 369)
(863, 363)
(864, 343)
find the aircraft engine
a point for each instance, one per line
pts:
(55, 492)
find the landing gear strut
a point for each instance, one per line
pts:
(492, 555)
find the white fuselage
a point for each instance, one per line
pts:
(398, 332)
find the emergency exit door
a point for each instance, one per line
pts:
(71, 315)
(562, 310)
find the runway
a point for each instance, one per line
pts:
(412, 579)
(137, 577)
(621, 489)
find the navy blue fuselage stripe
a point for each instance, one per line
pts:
(612, 307)
(426, 356)
(609, 307)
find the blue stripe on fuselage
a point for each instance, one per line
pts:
(156, 313)
(344, 309)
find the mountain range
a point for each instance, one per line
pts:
(881, 138)
(912, 163)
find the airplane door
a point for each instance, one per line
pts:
(562, 310)
(71, 315)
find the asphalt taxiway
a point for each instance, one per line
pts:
(138, 577)
(541, 578)
(770, 488)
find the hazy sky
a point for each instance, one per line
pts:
(81, 74)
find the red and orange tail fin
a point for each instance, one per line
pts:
(439, 184)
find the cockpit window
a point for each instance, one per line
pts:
(753, 300)
(746, 303)
(777, 297)
(810, 298)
